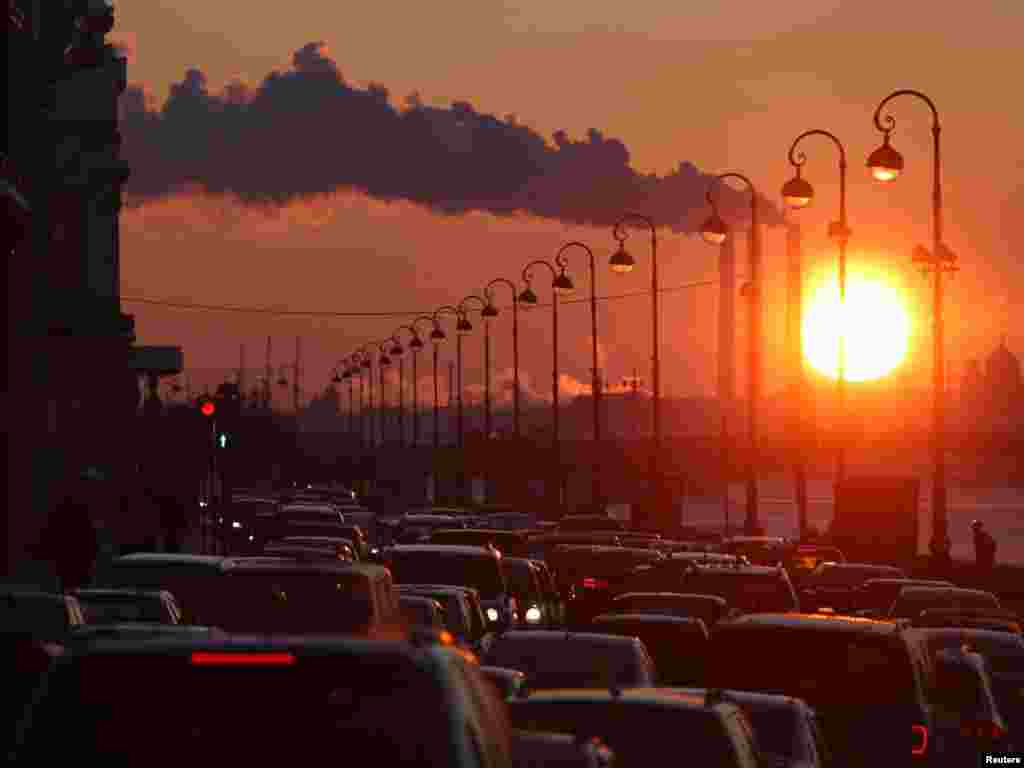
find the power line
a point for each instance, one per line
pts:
(379, 315)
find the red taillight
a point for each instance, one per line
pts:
(228, 659)
(920, 742)
(981, 729)
(591, 583)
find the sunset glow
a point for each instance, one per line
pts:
(875, 324)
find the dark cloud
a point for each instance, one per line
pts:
(306, 132)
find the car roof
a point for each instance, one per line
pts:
(1008, 640)
(739, 569)
(647, 618)
(167, 558)
(668, 698)
(438, 588)
(952, 591)
(128, 592)
(811, 621)
(688, 596)
(593, 639)
(914, 582)
(451, 549)
(420, 600)
(870, 567)
(482, 531)
(512, 674)
(287, 565)
(751, 699)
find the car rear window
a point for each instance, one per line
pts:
(162, 710)
(850, 576)
(108, 611)
(820, 666)
(749, 592)
(571, 663)
(639, 734)
(777, 729)
(911, 602)
(481, 572)
(268, 602)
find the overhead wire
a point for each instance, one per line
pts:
(390, 314)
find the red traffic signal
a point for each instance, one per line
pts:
(207, 407)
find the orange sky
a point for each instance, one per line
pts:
(725, 85)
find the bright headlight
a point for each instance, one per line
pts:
(492, 614)
(236, 524)
(533, 614)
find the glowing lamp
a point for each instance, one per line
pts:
(797, 192)
(528, 296)
(621, 261)
(714, 230)
(489, 311)
(563, 285)
(885, 163)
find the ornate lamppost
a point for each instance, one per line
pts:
(492, 311)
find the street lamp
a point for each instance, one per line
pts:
(621, 263)
(437, 337)
(492, 311)
(366, 354)
(885, 164)
(398, 351)
(416, 344)
(356, 370)
(715, 232)
(797, 194)
(463, 328)
(382, 416)
(561, 284)
(595, 383)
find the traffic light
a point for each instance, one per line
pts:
(206, 406)
(222, 440)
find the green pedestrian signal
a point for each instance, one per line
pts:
(222, 440)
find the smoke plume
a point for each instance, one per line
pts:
(306, 132)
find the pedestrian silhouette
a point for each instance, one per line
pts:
(984, 546)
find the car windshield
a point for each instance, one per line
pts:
(777, 729)
(481, 572)
(520, 577)
(95, 709)
(749, 592)
(844, 576)
(109, 611)
(822, 667)
(911, 602)
(296, 602)
(569, 663)
(641, 735)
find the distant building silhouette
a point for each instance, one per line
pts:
(992, 401)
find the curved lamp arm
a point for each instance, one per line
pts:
(528, 275)
(472, 297)
(888, 122)
(489, 294)
(797, 159)
(620, 232)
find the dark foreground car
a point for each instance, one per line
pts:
(259, 703)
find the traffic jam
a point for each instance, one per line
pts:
(327, 631)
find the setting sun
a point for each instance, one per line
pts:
(875, 324)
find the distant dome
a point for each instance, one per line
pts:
(1002, 361)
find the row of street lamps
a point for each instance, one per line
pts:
(885, 164)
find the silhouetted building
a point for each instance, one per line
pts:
(991, 401)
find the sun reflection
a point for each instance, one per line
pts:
(875, 324)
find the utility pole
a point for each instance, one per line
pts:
(268, 376)
(298, 373)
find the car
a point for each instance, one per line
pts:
(746, 588)
(967, 719)
(188, 577)
(552, 598)
(678, 646)
(553, 659)
(477, 567)
(803, 559)
(874, 597)
(509, 543)
(43, 616)
(311, 551)
(558, 750)
(253, 700)
(759, 550)
(278, 596)
(1004, 657)
(787, 729)
(464, 617)
(422, 611)
(911, 601)
(1003, 621)
(834, 585)
(111, 606)
(709, 608)
(574, 523)
(644, 726)
(508, 682)
(344, 548)
(868, 680)
(524, 582)
(710, 558)
(87, 634)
